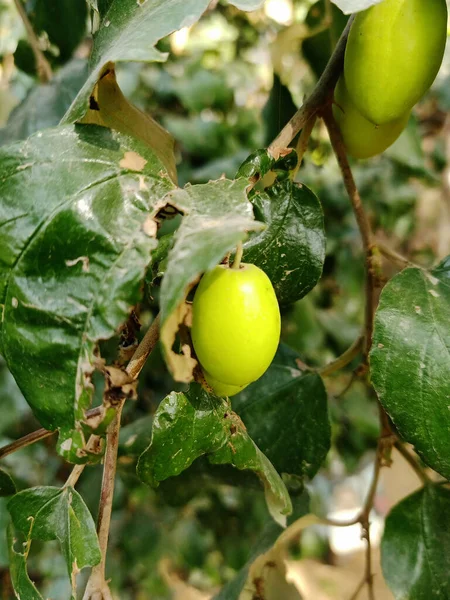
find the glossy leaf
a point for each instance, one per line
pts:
(129, 31)
(286, 414)
(185, 426)
(291, 249)
(192, 424)
(51, 513)
(22, 584)
(74, 248)
(410, 360)
(7, 485)
(415, 549)
(352, 6)
(45, 104)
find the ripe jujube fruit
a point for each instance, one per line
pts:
(235, 327)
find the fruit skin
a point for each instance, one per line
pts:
(223, 389)
(363, 139)
(393, 55)
(236, 324)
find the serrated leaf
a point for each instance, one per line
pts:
(74, 248)
(192, 424)
(410, 360)
(185, 426)
(110, 108)
(217, 215)
(45, 104)
(7, 485)
(286, 414)
(242, 452)
(352, 6)
(129, 31)
(24, 588)
(51, 513)
(291, 249)
(415, 549)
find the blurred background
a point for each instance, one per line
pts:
(230, 83)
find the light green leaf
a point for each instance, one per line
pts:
(415, 548)
(410, 360)
(50, 513)
(75, 243)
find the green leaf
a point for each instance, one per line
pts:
(74, 250)
(286, 414)
(415, 548)
(129, 31)
(46, 104)
(136, 437)
(291, 250)
(51, 513)
(22, 584)
(192, 424)
(242, 452)
(185, 426)
(7, 485)
(217, 217)
(410, 360)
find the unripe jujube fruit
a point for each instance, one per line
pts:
(363, 139)
(393, 55)
(235, 327)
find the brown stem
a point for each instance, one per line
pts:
(144, 349)
(319, 97)
(42, 65)
(302, 144)
(395, 257)
(358, 590)
(413, 463)
(368, 240)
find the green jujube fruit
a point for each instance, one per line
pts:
(393, 55)
(363, 139)
(235, 326)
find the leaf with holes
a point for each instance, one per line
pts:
(75, 244)
(415, 549)
(291, 249)
(286, 414)
(410, 360)
(22, 584)
(51, 513)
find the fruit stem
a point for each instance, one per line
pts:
(238, 256)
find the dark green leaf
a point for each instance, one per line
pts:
(22, 584)
(286, 414)
(50, 513)
(74, 251)
(410, 360)
(7, 485)
(415, 550)
(291, 250)
(260, 162)
(217, 217)
(64, 22)
(185, 426)
(192, 424)
(46, 104)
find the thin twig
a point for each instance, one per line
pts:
(43, 67)
(319, 97)
(358, 590)
(368, 240)
(144, 349)
(302, 144)
(418, 470)
(238, 256)
(342, 361)
(395, 257)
